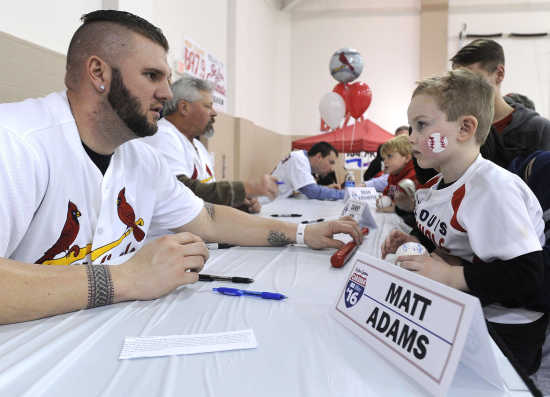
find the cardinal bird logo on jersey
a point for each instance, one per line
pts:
(67, 237)
(128, 217)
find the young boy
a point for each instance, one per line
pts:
(398, 164)
(475, 212)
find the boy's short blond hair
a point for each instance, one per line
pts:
(462, 93)
(398, 144)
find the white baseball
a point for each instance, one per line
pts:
(411, 248)
(437, 143)
(383, 202)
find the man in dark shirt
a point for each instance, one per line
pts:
(516, 130)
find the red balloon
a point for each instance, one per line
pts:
(342, 89)
(359, 99)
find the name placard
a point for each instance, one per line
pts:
(419, 325)
(360, 211)
(368, 194)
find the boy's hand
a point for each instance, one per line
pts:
(436, 268)
(404, 202)
(394, 240)
(387, 210)
(450, 259)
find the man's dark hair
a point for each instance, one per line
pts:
(324, 148)
(401, 128)
(485, 51)
(101, 34)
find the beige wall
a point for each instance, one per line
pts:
(28, 70)
(244, 150)
(257, 150)
(434, 16)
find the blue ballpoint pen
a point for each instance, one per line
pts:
(240, 292)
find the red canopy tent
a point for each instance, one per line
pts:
(367, 137)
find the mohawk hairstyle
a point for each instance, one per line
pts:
(102, 34)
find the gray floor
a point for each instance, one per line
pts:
(542, 376)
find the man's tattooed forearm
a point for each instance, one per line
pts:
(277, 239)
(210, 209)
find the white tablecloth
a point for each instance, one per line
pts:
(302, 351)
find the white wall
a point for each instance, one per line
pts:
(262, 62)
(252, 38)
(527, 60)
(389, 41)
(50, 24)
(205, 22)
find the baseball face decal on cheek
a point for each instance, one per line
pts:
(437, 143)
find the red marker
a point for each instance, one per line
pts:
(340, 257)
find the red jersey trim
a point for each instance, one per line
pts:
(456, 200)
(430, 183)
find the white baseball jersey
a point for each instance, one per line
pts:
(56, 206)
(487, 214)
(183, 157)
(294, 171)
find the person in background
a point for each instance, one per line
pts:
(79, 191)
(187, 116)
(374, 176)
(402, 130)
(375, 166)
(488, 241)
(397, 157)
(516, 130)
(534, 169)
(374, 169)
(295, 172)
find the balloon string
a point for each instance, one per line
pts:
(352, 136)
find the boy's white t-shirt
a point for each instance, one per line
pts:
(57, 206)
(488, 213)
(183, 157)
(294, 171)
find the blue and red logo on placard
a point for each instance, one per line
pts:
(355, 289)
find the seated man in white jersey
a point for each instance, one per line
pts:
(77, 188)
(295, 172)
(483, 221)
(188, 115)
